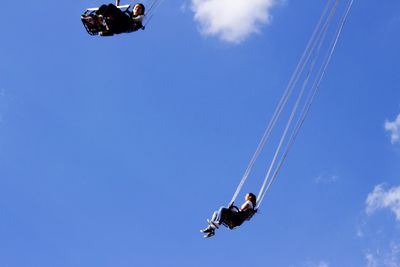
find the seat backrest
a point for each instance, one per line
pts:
(238, 218)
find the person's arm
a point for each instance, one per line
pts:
(245, 206)
(138, 18)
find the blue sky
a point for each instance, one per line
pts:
(114, 151)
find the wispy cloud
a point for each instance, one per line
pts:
(380, 198)
(389, 258)
(326, 179)
(359, 230)
(371, 261)
(309, 263)
(394, 128)
(232, 20)
(323, 264)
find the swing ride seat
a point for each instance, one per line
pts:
(98, 25)
(236, 218)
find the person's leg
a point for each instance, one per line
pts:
(102, 10)
(115, 19)
(214, 216)
(112, 11)
(222, 212)
(213, 223)
(99, 15)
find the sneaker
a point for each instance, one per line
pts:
(206, 230)
(88, 20)
(102, 21)
(210, 234)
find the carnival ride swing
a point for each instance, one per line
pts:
(123, 19)
(297, 99)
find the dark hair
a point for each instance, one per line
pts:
(252, 198)
(142, 6)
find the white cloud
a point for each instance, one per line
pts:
(389, 258)
(386, 251)
(380, 198)
(394, 128)
(232, 20)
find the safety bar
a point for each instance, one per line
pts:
(96, 8)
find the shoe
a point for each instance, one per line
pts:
(206, 230)
(100, 19)
(88, 20)
(210, 234)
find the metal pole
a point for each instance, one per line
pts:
(117, 2)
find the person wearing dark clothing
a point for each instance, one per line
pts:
(118, 21)
(109, 19)
(232, 216)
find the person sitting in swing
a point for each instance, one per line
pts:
(232, 216)
(108, 20)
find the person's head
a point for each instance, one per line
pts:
(251, 197)
(138, 9)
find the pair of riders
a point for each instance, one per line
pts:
(232, 216)
(108, 20)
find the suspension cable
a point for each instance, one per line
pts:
(282, 102)
(314, 89)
